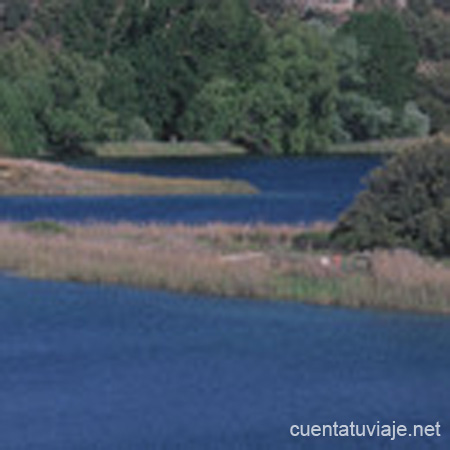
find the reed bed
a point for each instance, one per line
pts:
(258, 261)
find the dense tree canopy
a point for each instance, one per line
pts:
(251, 71)
(285, 107)
(406, 204)
(390, 57)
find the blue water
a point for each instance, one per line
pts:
(86, 367)
(293, 190)
(109, 368)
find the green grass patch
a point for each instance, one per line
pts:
(308, 289)
(166, 149)
(378, 147)
(44, 227)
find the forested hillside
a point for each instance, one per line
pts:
(268, 75)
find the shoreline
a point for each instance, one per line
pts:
(158, 149)
(190, 149)
(26, 177)
(255, 262)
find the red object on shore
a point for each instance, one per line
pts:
(337, 261)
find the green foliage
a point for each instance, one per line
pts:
(45, 227)
(183, 46)
(420, 8)
(311, 240)
(275, 10)
(77, 115)
(363, 118)
(137, 129)
(406, 204)
(48, 18)
(214, 112)
(247, 71)
(390, 56)
(431, 33)
(414, 122)
(300, 76)
(92, 27)
(23, 57)
(16, 12)
(19, 131)
(53, 99)
(433, 95)
(119, 91)
(262, 126)
(286, 107)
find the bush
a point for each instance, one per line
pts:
(406, 204)
(16, 12)
(311, 240)
(138, 130)
(44, 227)
(19, 131)
(414, 122)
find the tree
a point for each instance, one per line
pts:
(24, 95)
(184, 45)
(76, 115)
(119, 92)
(214, 112)
(19, 131)
(302, 65)
(406, 204)
(273, 10)
(390, 56)
(364, 118)
(15, 13)
(430, 32)
(92, 27)
(286, 107)
(433, 94)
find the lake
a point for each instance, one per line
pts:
(293, 190)
(88, 367)
(112, 368)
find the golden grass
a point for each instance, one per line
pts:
(385, 146)
(28, 177)
(156, 149)
(225, 260)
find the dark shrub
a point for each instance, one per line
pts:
(44, 227)
(406, 204)
(312, 240)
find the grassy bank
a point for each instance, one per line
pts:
(278, 262)
(384, 146)
(166, 149)
(199, 149)
(27, 177)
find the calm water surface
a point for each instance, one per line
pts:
(96, 368)
(293, 190)
(108, 368)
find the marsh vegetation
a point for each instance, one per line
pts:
(265, 262)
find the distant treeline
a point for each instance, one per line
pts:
(272, 79)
